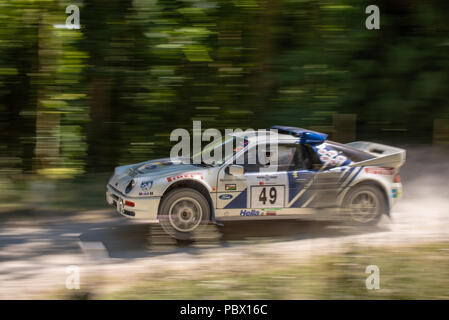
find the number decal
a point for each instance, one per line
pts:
(263, 196)
(273, 195)
(267, 197)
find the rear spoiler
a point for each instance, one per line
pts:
(385, 156)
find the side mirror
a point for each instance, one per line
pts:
(235, 170)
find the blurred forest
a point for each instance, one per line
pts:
(86, 100)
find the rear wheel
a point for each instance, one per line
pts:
(365, 205)
(183, 212)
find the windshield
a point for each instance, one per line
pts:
(219, 152)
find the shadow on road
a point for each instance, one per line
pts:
(143, 240)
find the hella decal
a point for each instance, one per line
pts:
(145, 193)
(253, 212)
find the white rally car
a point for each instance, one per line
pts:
(313, 178)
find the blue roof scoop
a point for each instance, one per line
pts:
(305, 136)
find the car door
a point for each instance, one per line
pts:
(312, 184)
(232, 193)
(232, 190)
(262, 189)
(268, 185)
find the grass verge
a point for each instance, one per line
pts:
(417, 272)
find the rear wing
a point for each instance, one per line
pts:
(385, 156)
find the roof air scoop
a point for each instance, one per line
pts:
(305, 136)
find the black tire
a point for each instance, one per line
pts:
(183, 213)
(365, 204)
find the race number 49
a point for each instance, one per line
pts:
(267, 197)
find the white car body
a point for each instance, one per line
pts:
(316, 192)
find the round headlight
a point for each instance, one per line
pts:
(130, 186)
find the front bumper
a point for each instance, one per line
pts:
(144, 208)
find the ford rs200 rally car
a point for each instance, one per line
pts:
(313, 178)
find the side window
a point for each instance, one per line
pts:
(300, 161)
(312, 161)
(292, 157)
(289, 157)
(281, 159)
(249, 161)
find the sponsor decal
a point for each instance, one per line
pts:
(322, 151)
(194, 175)
(395, 193)
(226, 196)
(333, 153)
(380, 170)
(330, 156)
(253, 212)
(268, 212)
(145, 193)
(267, 177)
(146, 185)
(268, 180)
(230, 187)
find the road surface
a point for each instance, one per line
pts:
(112, 252)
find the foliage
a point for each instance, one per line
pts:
(112, 91)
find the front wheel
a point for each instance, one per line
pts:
(183, 212)
(365, 205)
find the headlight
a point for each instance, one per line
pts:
(146, 185)
(130, 186)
